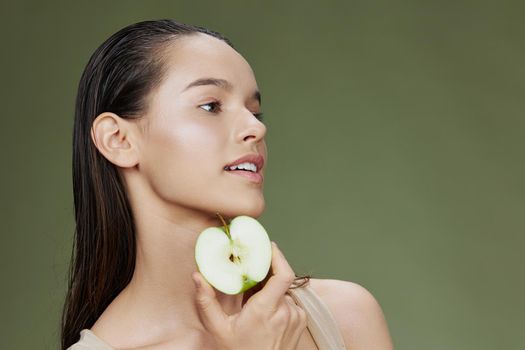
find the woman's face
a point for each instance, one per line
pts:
(193, 132)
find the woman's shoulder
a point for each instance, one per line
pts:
(340, 290)
(356, 311)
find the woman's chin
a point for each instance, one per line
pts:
(253, 209)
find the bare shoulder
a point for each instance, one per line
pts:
(357, 313)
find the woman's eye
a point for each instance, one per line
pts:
(211, 106)
(215, 107)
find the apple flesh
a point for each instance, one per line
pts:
(235, 257)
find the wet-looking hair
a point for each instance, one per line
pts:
(118, 78)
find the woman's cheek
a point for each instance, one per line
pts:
(184, 160)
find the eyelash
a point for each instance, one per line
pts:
(219, 104)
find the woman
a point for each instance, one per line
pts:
(162, 109)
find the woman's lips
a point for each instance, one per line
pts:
(253, 177)
(254, 158)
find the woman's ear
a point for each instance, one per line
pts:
(114, 137)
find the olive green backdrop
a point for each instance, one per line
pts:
(395, 138)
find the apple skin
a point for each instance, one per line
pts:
(235, 257)
(248, 283)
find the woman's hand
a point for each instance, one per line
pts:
(269, 320)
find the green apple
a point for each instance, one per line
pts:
(235, 257)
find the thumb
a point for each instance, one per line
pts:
(210, 311)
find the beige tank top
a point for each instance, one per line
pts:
(321, 324)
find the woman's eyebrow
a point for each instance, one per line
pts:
(222, 83)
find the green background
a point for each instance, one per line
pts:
(395, 139)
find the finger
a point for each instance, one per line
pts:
(290, 300)
(293, 308)
(282, 277)
(298, 319)
(210, 311)
(292, 303)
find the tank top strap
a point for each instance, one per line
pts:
(321, 323)
(89, 341)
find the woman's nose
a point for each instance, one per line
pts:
(252, 129)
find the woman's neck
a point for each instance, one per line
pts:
(166, 260)
(160, 299)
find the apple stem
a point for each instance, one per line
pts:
(225, 225)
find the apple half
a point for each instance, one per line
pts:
(235, 257)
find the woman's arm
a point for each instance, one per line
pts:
(357, 313)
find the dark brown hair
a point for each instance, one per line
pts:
(118, 78)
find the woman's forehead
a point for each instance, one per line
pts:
(201, 56)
